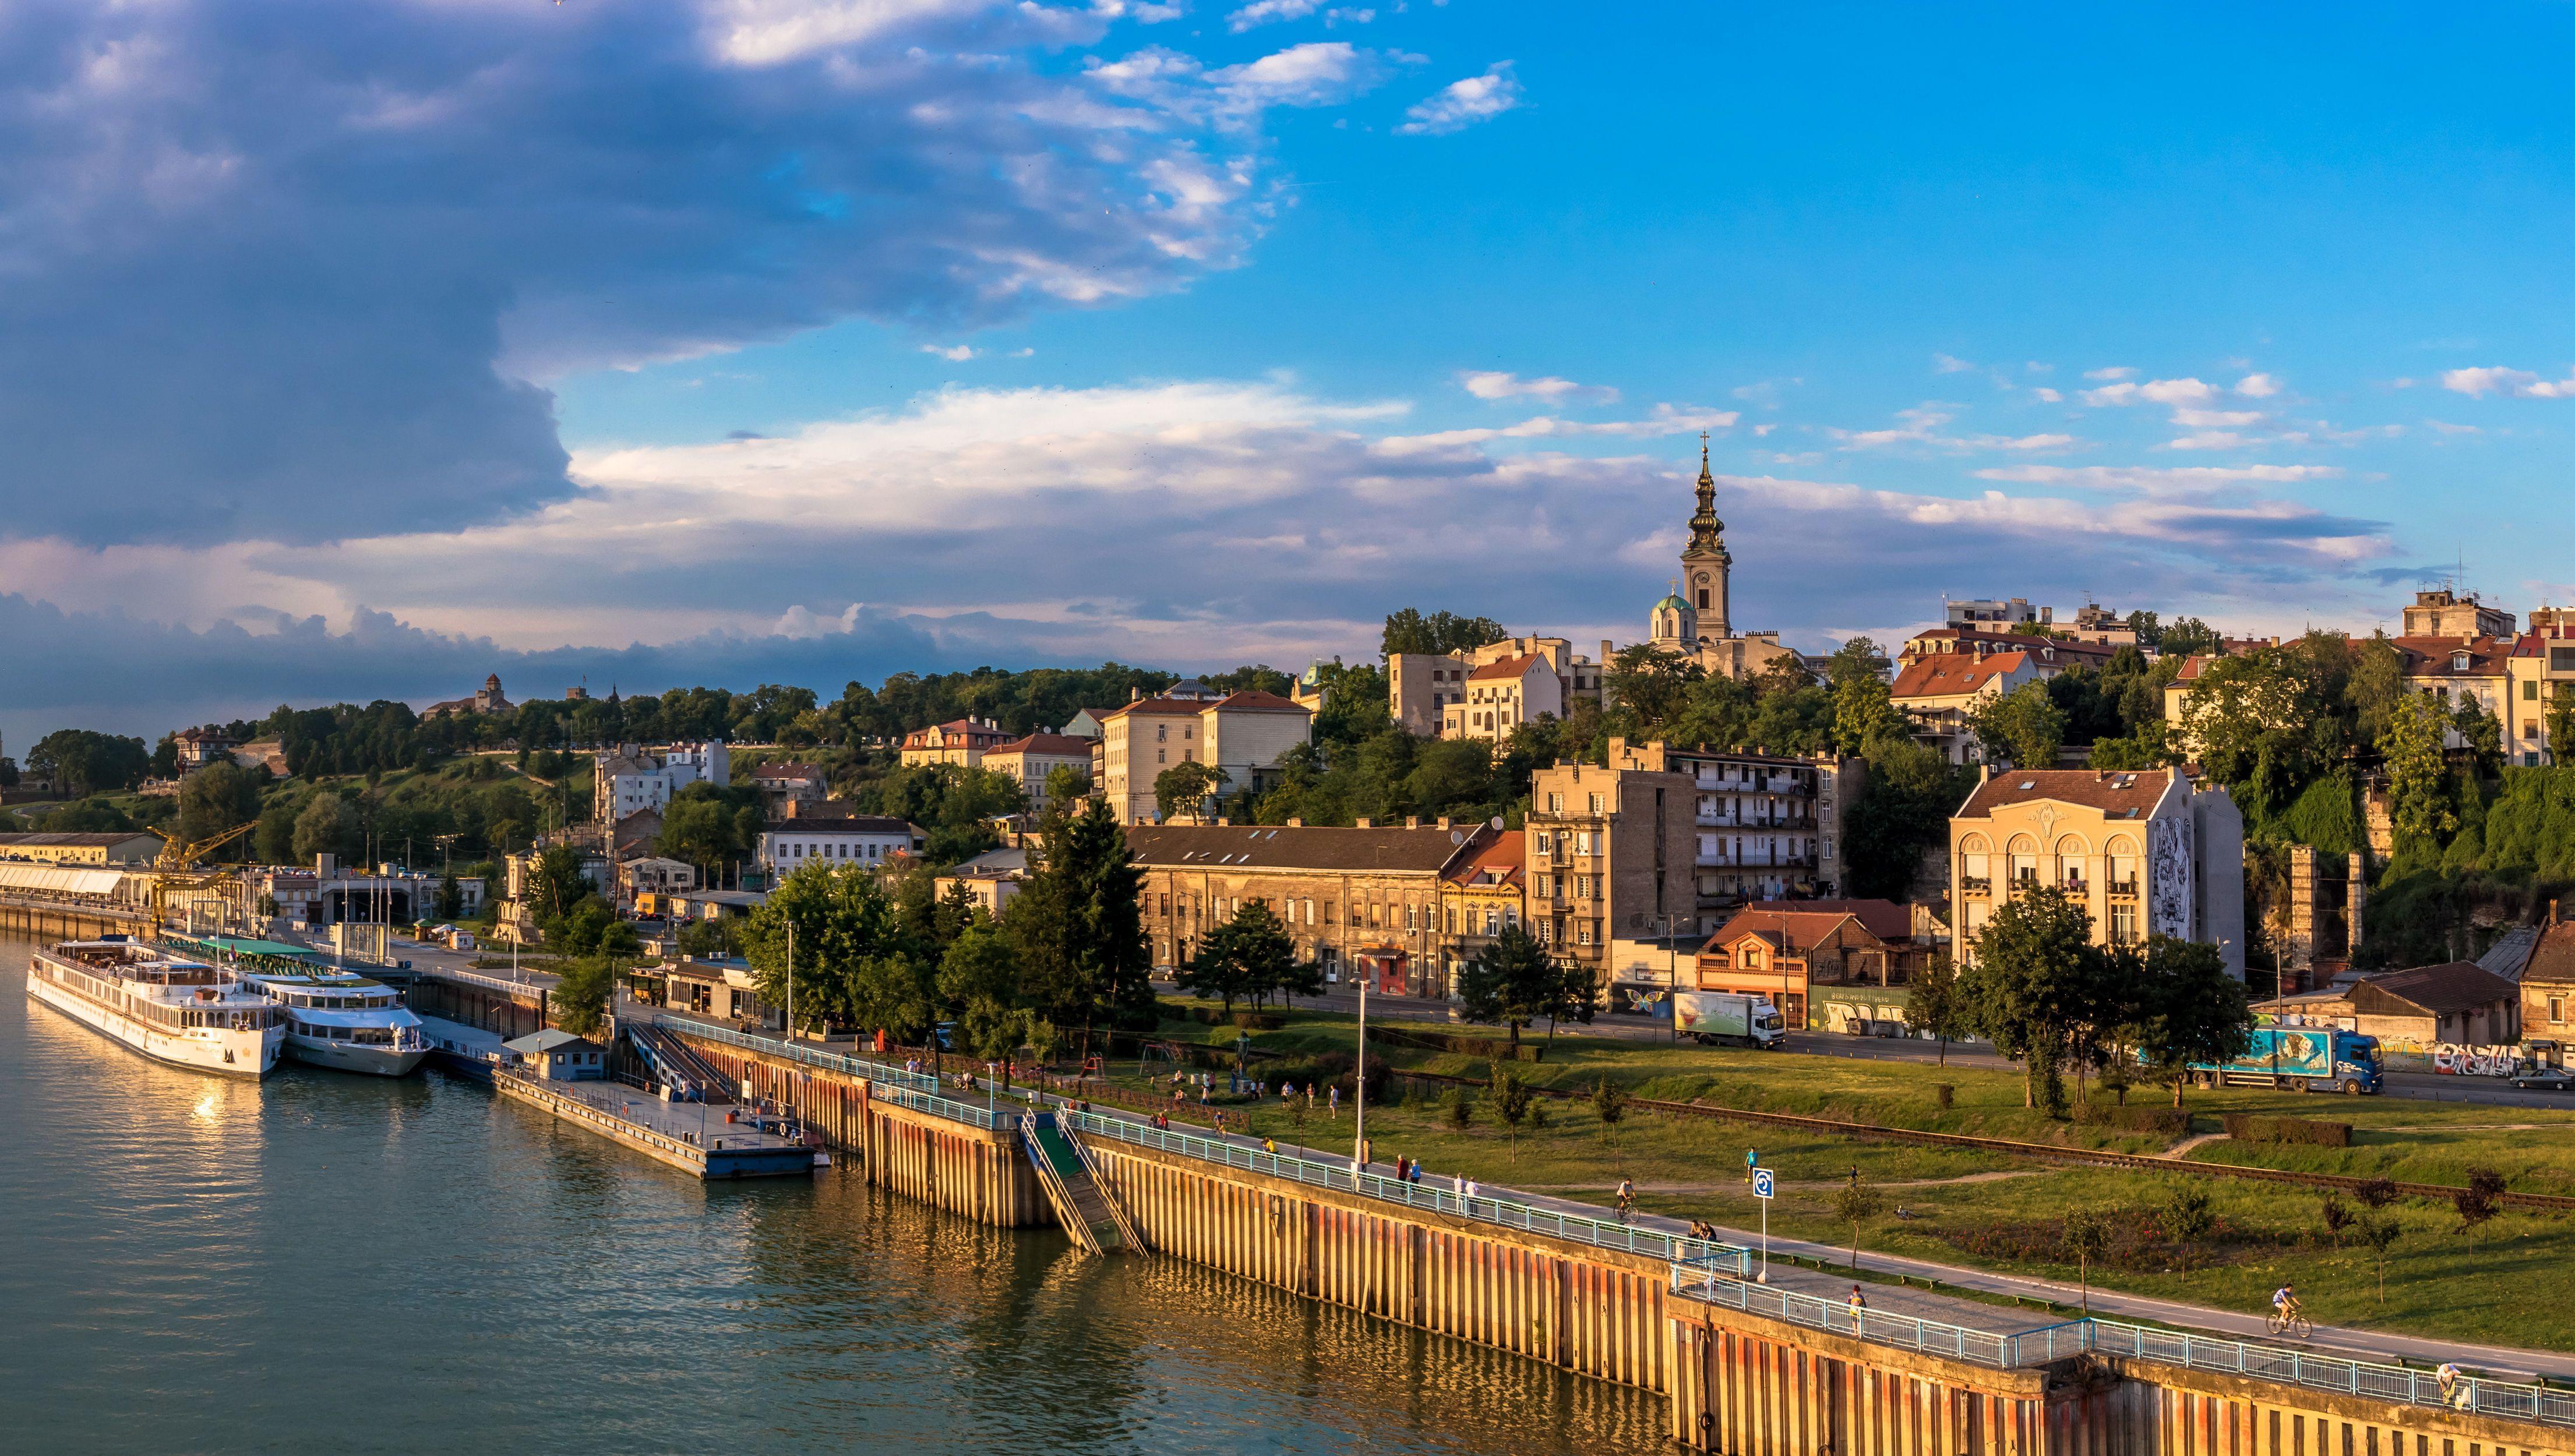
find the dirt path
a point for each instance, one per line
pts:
(1738, 1185)
(2182, 1148)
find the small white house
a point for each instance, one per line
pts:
(558, 1056)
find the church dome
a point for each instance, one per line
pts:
(1671, 603)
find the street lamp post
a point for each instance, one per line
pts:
(1358, 1149)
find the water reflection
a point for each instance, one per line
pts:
(335, 1263)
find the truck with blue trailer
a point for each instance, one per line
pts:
(2299, 1058)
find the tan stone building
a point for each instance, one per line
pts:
(1764, 826)
(2416, 1010)
(2548, 988)
(2452, 614)
(1241, 734)
(1427, 692)
(82, 848)
(1939, 690)
(1361, 902)
(1028, 760)
(963, 743)
(2144, 851)
(1482, 895)
(2540, 667)
(1611, 854)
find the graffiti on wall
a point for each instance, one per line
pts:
(2472, 1061)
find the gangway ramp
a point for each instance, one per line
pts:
(1085, 1207)
(690, 1077)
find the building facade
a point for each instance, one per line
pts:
(487, 698)
(1028, 760)
(2541, 667)
(2454, 614)
(791, 844)
(81, 849)
(632, 778)
(1243, 735)
(1697, 618)
(1610, 853)
(1764, 826)
(1361, 902)
(963, 743)
(2144, 851)
(1940, 690)
(1822, 968)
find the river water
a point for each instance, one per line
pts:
(332, 1263)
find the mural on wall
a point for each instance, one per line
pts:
(2169, 881)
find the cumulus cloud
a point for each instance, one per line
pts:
(1922, 424)
(2257, 386)
(1496, 385)
(2121, 372)
(271, 276)
(1264, 12)
(2159, 481)
(953, 353)
(1461, 104)
(2519, 383)
(2153, 392)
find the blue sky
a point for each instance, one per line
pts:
(355, 351)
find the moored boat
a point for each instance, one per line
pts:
(342, 1021)
(172, 1008)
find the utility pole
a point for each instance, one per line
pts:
(1359, 1147)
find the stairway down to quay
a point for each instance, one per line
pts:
(1749, 1368)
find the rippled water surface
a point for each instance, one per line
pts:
(334, 1263)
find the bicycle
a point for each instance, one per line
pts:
(2292, 1321)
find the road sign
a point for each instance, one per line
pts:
(1762, 1186)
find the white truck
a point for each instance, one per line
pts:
(1724, 1016)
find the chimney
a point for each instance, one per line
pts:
(1444, 822)
(1365, 823)
(1412, 822)
(1296, 823)
(1222, 823)
(1135, 694)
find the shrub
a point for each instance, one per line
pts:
(2188, 1216)
(2165, 1121)
(2337, 1216)
(2480, 1200)
(2249, 1127)
(2377, 1192)
(1487, 1047)
(1461, 1111)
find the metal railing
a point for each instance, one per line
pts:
(885, 1082)
(1716, 1283)
(2475, 1395)
(1509, 1213)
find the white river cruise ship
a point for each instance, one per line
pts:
(337, 1018)
(171, 1009)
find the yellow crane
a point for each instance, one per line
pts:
(175, 870)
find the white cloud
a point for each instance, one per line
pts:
(2514, 383)
(2122, 372)
(2047, 396)
(2158, 480)
(1318, 73)
(1922, 427)
(1266, 12)
(954, 352)
(1951, 363)
(2153, 392)
(1662, 420)
(1497, 384)
(2257, 386)
(1461, 103)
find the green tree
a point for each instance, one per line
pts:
(842, 922)
(327, 824)
(1900, 814)
(1651, 682)
(2035, 961)
(1078, 926)
(979, 979)
(1513, 981)
(2023, 725)
(451, 898)
(711, 826)
(80, 763)
(1934, 1004)
(1610, 1105)
(2379, 1231)
(2192, 1010)
(1514, 1099)
(1249, 956)
(555, 884)
(1864, 711)
(1065, 785)
(1185, 787)
(1856, 1203)
(579, 1001)
(1409, 630)
(2561, 722)
(2088, 1235)
(2419, 788)
(216, 798)
(2188, 636)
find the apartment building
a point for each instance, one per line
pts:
(962, 742)
(2449, 613)
(1028, 760)
(2147, 853)
(1612, 854)
(1482, 895)
(803, 839)
(1429, 693)
(632, 778)
(2541, 665)
(1362, 901)
(1764, 826)
(1241, 734)
(1939, 690)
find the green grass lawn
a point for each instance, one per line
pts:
(2505, 1282)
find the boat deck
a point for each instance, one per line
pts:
(690, 1136)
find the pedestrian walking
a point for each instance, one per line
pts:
(1859, 1308)
(1336, 1099)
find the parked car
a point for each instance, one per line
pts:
(2544, 1079)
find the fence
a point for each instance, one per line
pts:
(1702, 1281)
(886, 1084)
(1509, 1213)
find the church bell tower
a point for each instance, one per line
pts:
(1705, 561)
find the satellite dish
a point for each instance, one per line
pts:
(1456, 837)
(1497, 821)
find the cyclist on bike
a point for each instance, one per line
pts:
(2284, 1303)
(1626, 1198)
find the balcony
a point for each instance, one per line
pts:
(2124, 889)
(1975, 884)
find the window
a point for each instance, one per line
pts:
(2123, 922)
(1162, 755)
(1596, 803)
(1555, 805)
(2530, 691)
(2556, 1008)
(1547, 932)
(1161, 730)
(1583, 933)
